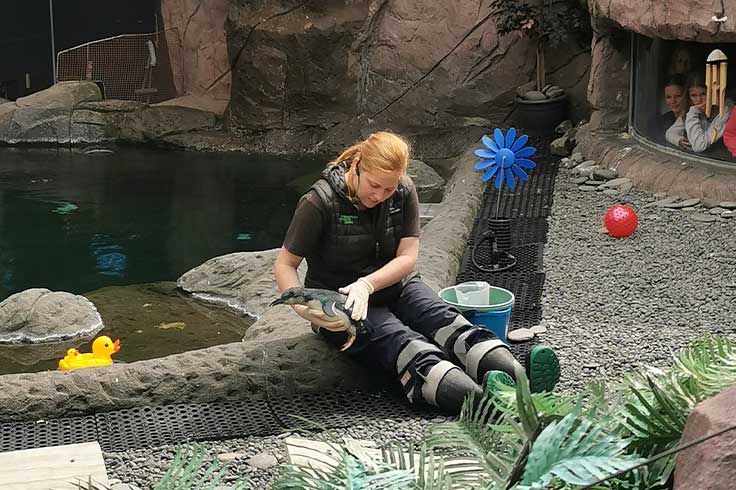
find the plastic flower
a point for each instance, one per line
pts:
(505, 158)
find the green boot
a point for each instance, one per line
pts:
(542, 368)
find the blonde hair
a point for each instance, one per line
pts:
(383, 151)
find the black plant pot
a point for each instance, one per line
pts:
(541, 117)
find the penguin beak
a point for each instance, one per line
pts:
(277, 301)
(116, 345)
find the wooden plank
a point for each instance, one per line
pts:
(54, 467)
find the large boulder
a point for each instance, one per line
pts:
(46, 116)
(242, 282)
(710, 465)
(39, 315)
(430, 185)
(387, 63)
(686, 20)
(73, 112)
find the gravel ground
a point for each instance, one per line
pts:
(142, 468)
(615, 304)
(609, 305)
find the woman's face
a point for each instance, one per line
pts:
(697, 95)
(376, 187)
(673, 97)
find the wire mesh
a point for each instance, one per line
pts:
(140, 67)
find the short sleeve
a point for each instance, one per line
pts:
(411, 213)
(305, 229)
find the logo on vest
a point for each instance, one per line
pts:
(348, 219)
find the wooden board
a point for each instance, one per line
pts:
(52, 468)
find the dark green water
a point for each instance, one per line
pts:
(78, 223)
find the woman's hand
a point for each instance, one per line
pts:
(319, 318)
(358, 293)
(684, 143)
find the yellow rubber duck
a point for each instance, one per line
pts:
(102, 348)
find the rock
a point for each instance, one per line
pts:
(597, 183)
(39, 315)
(242, 282)
(563, 127)
(660, 195)
(682, 204)
(626, 187)
(3, 101)
(727, 204)
(605, 174)
(690, 209)
(576, 157)
(616, 182)
(717, 210)
(124, 486)
(588, 188)
(704, 218)
(538, 329)
(585, 165)
(580, 180)
(430, 186)
(709, 203)
(611, 192)
(688, 21)
(708, 466)
(228, 457)
(263, 461)
(520, 335)
(522, 89)
(534, 95)
(46, 116)
(665, 201)
(561, 146)
(728, 214)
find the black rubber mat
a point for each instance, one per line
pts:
(527, 208)
(155, 426)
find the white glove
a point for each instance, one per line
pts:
(358, 293)
(319, 319)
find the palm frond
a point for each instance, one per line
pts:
(576, 450)
(190, 470)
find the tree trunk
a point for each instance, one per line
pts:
(541, 82)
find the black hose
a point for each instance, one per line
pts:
(501, 260)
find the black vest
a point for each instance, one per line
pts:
(354, 242)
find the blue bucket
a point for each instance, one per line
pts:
(495, 321)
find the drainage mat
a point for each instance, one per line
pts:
(170, 424)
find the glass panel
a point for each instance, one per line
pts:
(669, 97)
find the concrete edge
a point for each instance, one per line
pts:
(239, 370)
(656, 171)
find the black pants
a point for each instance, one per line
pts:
(419, 338)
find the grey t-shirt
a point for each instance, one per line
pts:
(305, 230)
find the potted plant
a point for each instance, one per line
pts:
(548, 23)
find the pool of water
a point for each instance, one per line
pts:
(120, 228)
(71, 222)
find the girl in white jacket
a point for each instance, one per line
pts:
(694, 131)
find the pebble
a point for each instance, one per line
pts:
(717, 210)
(704, 218)
(682, 204)
(538, 329)
(727, 204)
(611, 192)
(520, 335)
(728, 214)
(263, 461)
(665, 201)
(587, 188)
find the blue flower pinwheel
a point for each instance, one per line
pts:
(505, 158)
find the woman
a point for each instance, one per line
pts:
(695, 131)
(676, 101)
(358, 228)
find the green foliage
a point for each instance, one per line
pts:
(190, 470)
(550, 21)
(576, 450)
(345, 471)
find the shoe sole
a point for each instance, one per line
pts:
(543, 369)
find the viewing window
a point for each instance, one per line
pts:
(669, 96)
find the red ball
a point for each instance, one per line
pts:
(620, 221)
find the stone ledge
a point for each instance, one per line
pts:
(655, 171)
(257, 367)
